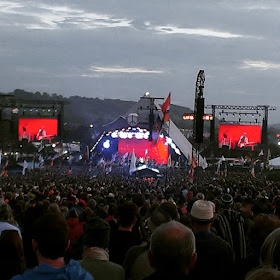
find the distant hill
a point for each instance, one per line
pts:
(84, 110)
(80, 112)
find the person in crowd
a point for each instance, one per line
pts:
(76, 229)
(263, 273)
(139, 200)
(171, 209)
(72, 205)
(136, 263)
(229, 225)
(261, 226)
(123, 238)
(215, 256)
(172, 252)
(12, 260)
(270, 250)
(50, 241)
(7, 221)
(54, 208)
(96, 239)
(31, 214)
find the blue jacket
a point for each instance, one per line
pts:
(72, 271)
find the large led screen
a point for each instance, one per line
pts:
(144, 148)
(36, 129)
(239, 136)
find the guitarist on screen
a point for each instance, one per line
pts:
(42, 133)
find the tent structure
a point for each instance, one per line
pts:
(139, 116)
(274, 163)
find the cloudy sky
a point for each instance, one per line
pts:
(122, 49)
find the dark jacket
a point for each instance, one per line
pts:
(214, 257)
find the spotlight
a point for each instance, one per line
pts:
(114, 134)
(168, 140)
(146, 135)
(106, 144)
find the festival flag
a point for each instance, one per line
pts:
(241, 160)
(165, 108)
(253, 171)
(218, 172)
(86, 154)
(267, 158)
(204, 163)
(169, 163)
(41, 147)
(25, 165)
(114, 157)
(41, 160)
(123, 158)
(101, 162)
(225, 170)
(193, 166)
(132, 167)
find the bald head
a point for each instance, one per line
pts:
(172, 247)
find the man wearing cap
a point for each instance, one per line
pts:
(214, 255)
(230, 226)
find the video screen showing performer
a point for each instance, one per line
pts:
(243, 140)
(42, 133)
(25, 135)
(236, 136)
(226, 141)
(37, 129)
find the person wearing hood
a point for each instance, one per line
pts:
(50, 241)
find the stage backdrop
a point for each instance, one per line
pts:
(144, 148)
(32, 126)
(230, 134)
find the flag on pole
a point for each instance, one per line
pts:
(123, 158)
(253, 171)
(132, 167)
(25, 165)
(86, 154)
(193, 166)
(204, 163)
(169, 163)
(165, 108)
(218, 172)
(267, 158)
(241, 160)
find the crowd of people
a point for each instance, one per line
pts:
(110, 226)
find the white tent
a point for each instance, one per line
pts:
(274, 163)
